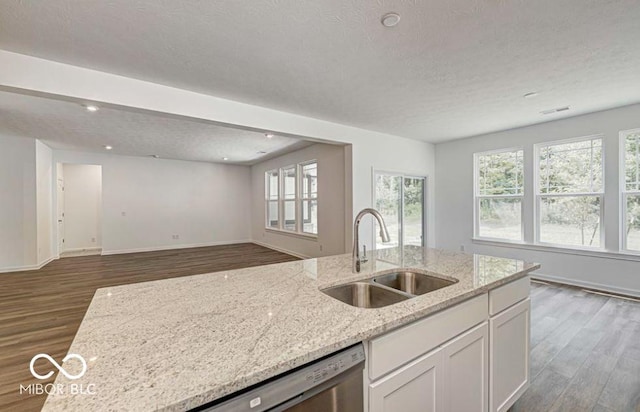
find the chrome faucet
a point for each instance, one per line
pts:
(384, 234)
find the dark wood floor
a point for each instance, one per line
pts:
(585, 352)
(40, 311)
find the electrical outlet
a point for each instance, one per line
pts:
(175, 237)
(320, 248)
(461, 248)
(93, 240)
(124, 213)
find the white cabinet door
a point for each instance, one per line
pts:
(416, 387)
(509, 352)
(466, 371)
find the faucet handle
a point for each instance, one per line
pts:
(364, 258)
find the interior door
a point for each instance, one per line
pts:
(60, 215)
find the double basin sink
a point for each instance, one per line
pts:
(387, 289)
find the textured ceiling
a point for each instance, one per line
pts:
(451, 68)
(68, 126)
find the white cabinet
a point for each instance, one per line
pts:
(466, 371)
(453, 377)
(394, 349)
(416, 387)
(509, 352)
(472, 357)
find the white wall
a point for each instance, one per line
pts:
(18, 227)
(407, 156)
(146, 201)
(369, 150)
(82, 206)
(331, 203)
(44, 198)
(454, 204)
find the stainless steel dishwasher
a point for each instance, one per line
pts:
(331, 384)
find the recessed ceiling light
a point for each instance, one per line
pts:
(107, 147)
(262, 152)
(91, 108)
(155, 156)
(556, 110)
(269, 135)
(530, 95)
(225, 158)
(390, 19)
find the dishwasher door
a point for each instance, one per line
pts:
(341, 396)
(331, 384)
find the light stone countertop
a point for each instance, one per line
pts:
(179, 343)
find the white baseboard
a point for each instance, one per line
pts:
(88, 251)
(169, 247)
(279, 249)
(586, 284)
(29, 267)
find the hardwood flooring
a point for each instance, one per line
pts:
(585, 352)
(585, 348)
(41, 310)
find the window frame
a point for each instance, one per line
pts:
(624, 193)
(301, 198)
(268, 200)
(477, 197)
(403, 176)
(538, 195)
(297, 200)
(282, 200)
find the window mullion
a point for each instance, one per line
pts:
(591, 176)
(637, 182)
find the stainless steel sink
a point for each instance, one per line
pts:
(365, 295)
(414, 283)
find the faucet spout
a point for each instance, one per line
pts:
(384, 234)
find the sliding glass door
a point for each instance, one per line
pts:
(401, 201)
(413, 211)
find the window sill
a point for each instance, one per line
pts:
(623, 255)
(307, 236)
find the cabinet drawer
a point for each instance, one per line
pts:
(508, 295)
(390, 351)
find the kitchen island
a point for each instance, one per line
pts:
(176, 344)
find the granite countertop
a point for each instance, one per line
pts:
(179, 343)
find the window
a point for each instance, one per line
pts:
(309, 197)
(273, 197)
(498, 195)
(570, 192)
(292, 198)
(289, 197)
(401, 199)
(631, 191)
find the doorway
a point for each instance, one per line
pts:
(79, 209)
(401, 199)
(60, 208)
